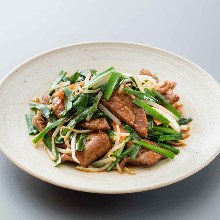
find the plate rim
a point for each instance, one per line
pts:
(103, 191)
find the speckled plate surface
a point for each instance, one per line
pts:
(199, 92)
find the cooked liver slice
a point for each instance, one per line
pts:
(144, 157)
(95, 124)
(97, 145)
(121, 105)
(66, 157)
(148, 73)
(39, 121)
(166, 89)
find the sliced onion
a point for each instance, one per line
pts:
(93, 169)
(127, 80)
(138, 82)
(73, 144)
(173, 124)
(107, 112)
(101, 82)
(160, 107)
(87, 78)
(99, 96)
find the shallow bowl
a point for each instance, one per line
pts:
(199, 92)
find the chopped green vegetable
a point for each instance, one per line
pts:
(118, 152)
(155, 133)
(156, 149)
(31, 128)
(130, 130)
(148, 109)
(68, 106)
(77, 77)
(80, 142)
(93, 72)
(150, 92)
(58, 160)
(170, 137)
(48, 128)
(184, 121)
(166, 104)
(58, 140)
(80, 109)
(82, 116)
(66, 78)
(165, 130)
(100, 114)
(60, 77)
(48, 142)
(135, 151)
(172, 149)
(99, 77)
(110, 133)
(69, 94)
(81, 101)
(150, 123)
(140, 95)
(43, 108)
(110, 86)
(123, 155)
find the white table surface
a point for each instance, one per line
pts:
(189, 28)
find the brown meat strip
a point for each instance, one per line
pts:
(58, 106)
(97, 145)
(66, 157)
(167, 91)
(166, 87)
(39, 121)
(144, 157)
(171, 97)
(95, 124)
(148, 73)
(45, 99)
(121, 105)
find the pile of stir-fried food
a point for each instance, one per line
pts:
(108, 120)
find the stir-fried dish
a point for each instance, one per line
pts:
(108, 120)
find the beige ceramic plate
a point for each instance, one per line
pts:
(199, 92)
